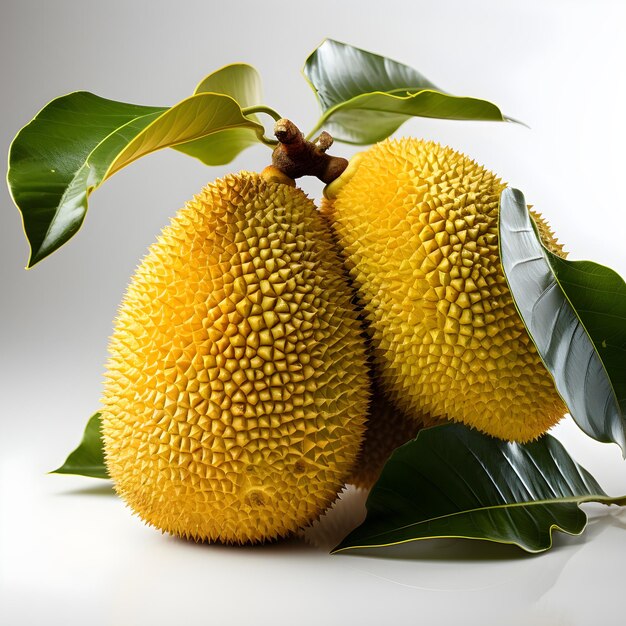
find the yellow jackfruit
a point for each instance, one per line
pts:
(386, 429)
(418, 225)
(237, 383)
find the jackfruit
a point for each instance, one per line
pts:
(237, 385)
(386, 429)
(418, 226)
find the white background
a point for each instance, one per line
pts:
(70, 552)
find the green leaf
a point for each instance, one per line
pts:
(195, 118)
(242, 83)
(88, 458)
(452, 481)
(78, 141)
(366, 97)
(575, 313)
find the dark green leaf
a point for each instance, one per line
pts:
(598, 295)
(52, 152)
(366, 97)
(88, 458)
(575, 313)
(78, 141)
(452, 481)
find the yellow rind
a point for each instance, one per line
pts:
(332, 189)
(418, 226)
(386, 429)
(237, 385)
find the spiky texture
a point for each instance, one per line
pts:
(237, 387)
(344, 515)
(418, 224)
(386, 428)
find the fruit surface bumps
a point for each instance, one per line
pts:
(418, 226)
(237, 386)
(386, 429)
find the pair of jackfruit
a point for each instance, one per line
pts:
(238, 386)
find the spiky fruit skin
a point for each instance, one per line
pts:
(386, 429)
(237, 387)
(418, 225)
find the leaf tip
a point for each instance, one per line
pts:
(512, 120)
(513, 195)
(339, 548)
(35, 256)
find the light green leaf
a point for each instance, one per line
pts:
(575, 313)
(198, 116)
(366, 97)
(88, 458)
(78, 141)
(242, 83)
(452, 481)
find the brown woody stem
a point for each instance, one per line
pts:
(295, 156)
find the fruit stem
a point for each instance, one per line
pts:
(295, 156)
(261, 108)
(272, 143)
